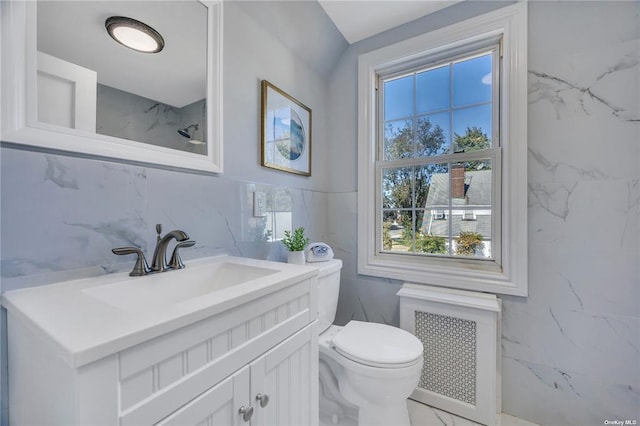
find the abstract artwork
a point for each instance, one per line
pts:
(286, 132)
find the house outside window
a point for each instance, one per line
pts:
(442, 156)
(467, 231)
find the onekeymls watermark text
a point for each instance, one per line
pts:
(620, 422)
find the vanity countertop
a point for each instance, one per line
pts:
(84, 321)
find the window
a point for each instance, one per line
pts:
(437, 141)
(442, 156)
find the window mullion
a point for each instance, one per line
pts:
(450, 211)
(413, 169)
(414, 116)
(380, 123)
(413, 209)
(459, 157)
(451, 151)
(496, 81)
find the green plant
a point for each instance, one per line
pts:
(431, 244)
(468, 243)
(295, 241)
(387, 242)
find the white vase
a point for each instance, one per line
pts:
(296, 257)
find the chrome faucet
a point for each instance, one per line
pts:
(159, 263)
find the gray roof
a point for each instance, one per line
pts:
(477, 185)
(477, 197)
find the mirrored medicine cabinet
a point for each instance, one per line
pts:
(68, 86)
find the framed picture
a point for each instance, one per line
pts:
(286, 132)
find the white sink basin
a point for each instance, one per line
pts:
(90, 318)
(168, 288)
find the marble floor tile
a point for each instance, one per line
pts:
(424, 415)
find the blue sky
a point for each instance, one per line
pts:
(467, 99)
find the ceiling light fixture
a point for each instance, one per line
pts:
(134, 34)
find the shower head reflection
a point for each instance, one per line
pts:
(186, 131)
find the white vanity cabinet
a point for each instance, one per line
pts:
(274, 390)
(221, 405)
(257, 351)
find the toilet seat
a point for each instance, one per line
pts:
(377, 345)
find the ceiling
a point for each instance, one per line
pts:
(74, 31)
(359, 19)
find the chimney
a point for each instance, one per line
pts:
(457, 181)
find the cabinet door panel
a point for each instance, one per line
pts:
(219, 405)
(288, 374)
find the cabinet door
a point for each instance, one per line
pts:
(287, 376)
(220, 405)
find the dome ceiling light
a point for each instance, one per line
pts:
(134, 34)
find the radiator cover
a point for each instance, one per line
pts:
(460, 332)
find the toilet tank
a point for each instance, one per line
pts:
(328, 291)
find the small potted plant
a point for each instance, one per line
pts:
(295, 242)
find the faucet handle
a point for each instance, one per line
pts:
(141, 267)
(176, 261)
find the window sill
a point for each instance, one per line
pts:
(484, 276)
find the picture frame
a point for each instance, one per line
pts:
(285, 137)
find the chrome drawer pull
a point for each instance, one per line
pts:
(263, 398)
(246, 413)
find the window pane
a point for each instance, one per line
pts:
(398, 139)
(473, 238)
(396, 231)
(397, 188)
(432, 224)
(432, 186)
(472, 128)
(398, 98)
(471, 208)
(472, 81)
(433, 90)
(432, 135)
(477, 183)
(425, 240)
(434, 232)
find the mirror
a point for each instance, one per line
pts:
(145, 97)
(79, 90)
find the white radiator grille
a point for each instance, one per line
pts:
(449, 356)
(460, 332)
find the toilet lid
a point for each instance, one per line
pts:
(378, 345)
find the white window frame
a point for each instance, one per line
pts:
(510, 275)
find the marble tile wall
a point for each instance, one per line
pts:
(125, 115)
(575, 341)
(64, 213)
(571, 350)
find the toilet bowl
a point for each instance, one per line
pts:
(376, 366)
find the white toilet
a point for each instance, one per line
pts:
(374, 367)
